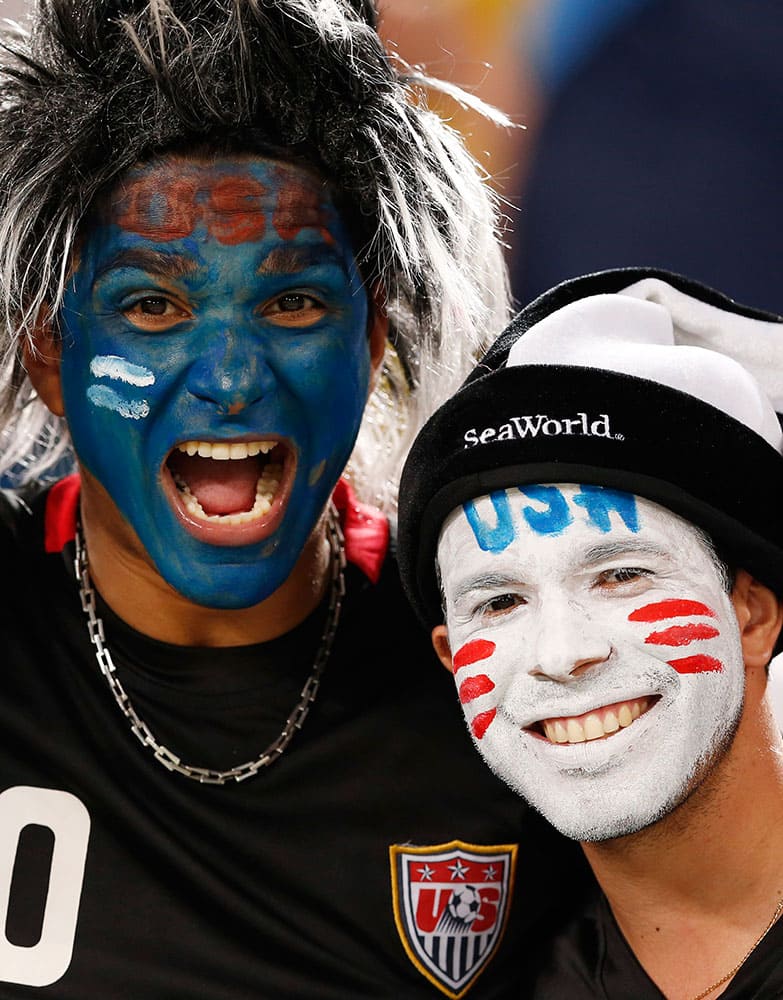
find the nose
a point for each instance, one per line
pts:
(567, 641)
(232, 373)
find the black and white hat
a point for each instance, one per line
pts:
(635, 378)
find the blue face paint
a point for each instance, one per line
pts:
(552, 521)
(492, 538)
(598, 501)
(216, 301)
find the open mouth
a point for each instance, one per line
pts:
(598, 724)
(227, 489)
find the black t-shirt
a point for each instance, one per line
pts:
(589, 959)
(312, 880)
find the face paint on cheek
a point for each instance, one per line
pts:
(119, 369)
(475, 687)
(115, 369)
(670, 608)
(482, 722)
(478, 685)
(104, 397)
(473, 652)
(681, 635)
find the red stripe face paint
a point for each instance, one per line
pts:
(472, 652)
(475, 687)
(672, 608)
(698, 664)
(681, 635)
(482, 722)
(480, 684)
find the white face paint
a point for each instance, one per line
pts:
(596, 652)
(111, 367)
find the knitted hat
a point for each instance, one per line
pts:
(636, 379)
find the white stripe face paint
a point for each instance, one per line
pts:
(112, 366)
(117, 369)
(596, 652)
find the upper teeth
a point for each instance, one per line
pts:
(594, 725)
(224, 450)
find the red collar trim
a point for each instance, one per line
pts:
(365, 528)
(62, 503)
(366, 531)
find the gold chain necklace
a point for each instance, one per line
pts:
(140, 729)
(745, 957)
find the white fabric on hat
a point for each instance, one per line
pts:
(657, 340)
(756, 344)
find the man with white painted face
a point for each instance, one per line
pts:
(240, 258)
(591, 528)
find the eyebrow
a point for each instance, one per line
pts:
(290, 260)
(485, 581)
(165, 265)
(609, 550)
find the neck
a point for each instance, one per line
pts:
(130, 585)
(686, 926)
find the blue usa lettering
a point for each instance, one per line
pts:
(598, 502)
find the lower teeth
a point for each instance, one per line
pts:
(266, 488)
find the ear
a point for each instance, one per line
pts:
(760, 616)
(41, 358)
(378, 329)
(440, 643)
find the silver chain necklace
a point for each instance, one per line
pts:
(140, 729)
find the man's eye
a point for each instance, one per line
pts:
(155, 312)
(500, 605)
(153, 306)
(294, 309)
(293, 302)
(622, 575)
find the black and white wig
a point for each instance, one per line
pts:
(90, 87)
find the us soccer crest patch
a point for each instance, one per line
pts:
(451, 903)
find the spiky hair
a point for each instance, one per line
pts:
(90, 87)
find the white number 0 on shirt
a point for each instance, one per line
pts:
(66, 816)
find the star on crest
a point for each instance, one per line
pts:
(458, 870)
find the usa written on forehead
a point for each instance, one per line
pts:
(678, 635)
(595, 504)
(234, 208)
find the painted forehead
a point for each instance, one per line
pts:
(599, 518)
(500, 518)
(234, 199)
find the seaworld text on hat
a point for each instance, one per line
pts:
(531, 426)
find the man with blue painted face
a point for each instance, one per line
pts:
(240, 260)
(591, 529)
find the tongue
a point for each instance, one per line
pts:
(221, 487)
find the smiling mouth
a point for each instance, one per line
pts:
(228, 487)
(598, 724)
